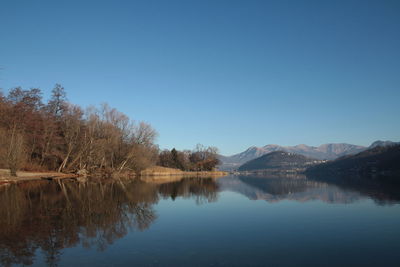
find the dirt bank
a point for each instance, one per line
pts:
(6, 178)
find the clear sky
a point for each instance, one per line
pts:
(231, 74)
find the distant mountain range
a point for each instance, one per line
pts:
(322, 152)
(379, 160)
(383, 144)
(279, 160)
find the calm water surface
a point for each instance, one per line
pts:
(230, 221)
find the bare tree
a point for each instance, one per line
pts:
(71, 129)
(14, 155)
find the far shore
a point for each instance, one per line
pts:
(159, 174)
(153, 174)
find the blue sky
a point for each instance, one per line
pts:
(231, 74)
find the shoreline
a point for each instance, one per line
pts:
(154, 174)
(24, 176)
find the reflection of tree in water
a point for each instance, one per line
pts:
(51, 216)
(202, 189)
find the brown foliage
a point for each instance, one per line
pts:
(201, 159)
(61, 136)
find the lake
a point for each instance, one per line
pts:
(229, 221)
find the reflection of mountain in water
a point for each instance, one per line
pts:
(273, 189)
(382, 191)
(51, 216)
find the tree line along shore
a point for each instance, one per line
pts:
(58, 137)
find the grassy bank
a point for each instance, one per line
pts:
(159, 174)
(163, 171)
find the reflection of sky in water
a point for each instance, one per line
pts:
(227, 227)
